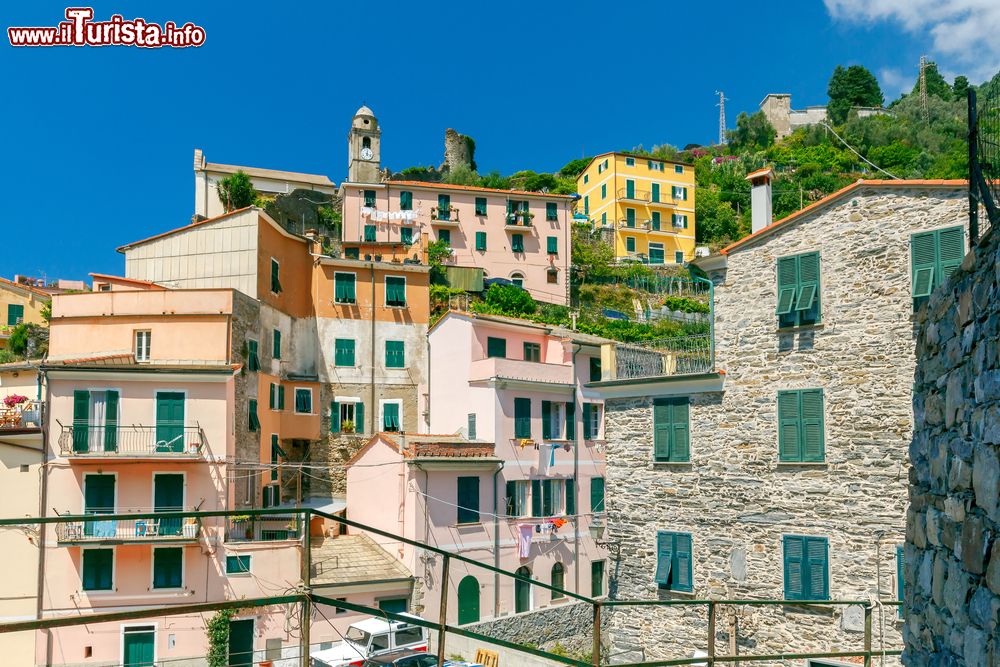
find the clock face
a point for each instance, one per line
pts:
(366, 153)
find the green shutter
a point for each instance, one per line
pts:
(788, 282)
(334, 417)
(343, 352)
(253, 358)
(369, 198)
(370, 231)
(587, 435)
(789, 445)
(951, 251)
(275, 279)
(818, 568)
(571, 421)
(405, 201)
(359, 417)
(536, 497)
(570, 496)
(253, 422)
(522, 417)
(671, 431)
(281, 397)
(468, 500)
(552, 245)
(167, 567)
(548, 507)
(655, 192)
(394, 354)
(390, 417)
(630, 217)
(586, 205)
(480, 240)
(276, 344)
(546, 420)
(111, 421)
(661, 430)
(664, 557)
(899, 574)
(406, 235)
(480, 205)
(169, 421)
(97, 566)
(496, 347)
(794, 556)
(471, 426)
(596, 494)
(808, 290)
(551, 212)
(679, 446)
(444, 207)
(656, 221)
(15, 313)
(272, 403)
(303, 401)
(596, 578)
(630, 189)
(682, 563)
(811, 420)
(237, 564)
(511, 498)
(517, 243)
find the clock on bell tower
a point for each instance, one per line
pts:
(363, 149)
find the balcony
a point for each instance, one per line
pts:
(518, 220)
(518, 370)
(163, 529)
(637, 225)
(100, 442)
(23, 416)
(444, 216)
(640, 196)
(681, 355)
(267, 528)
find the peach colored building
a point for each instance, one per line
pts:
(524, 460)
(519, 236)
(19, 303)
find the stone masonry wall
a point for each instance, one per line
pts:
(734, 497)
(569, 625)
(952, 556)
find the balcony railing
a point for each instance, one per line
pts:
(444, 216)
(131, 441)
(519, 219)
(641, 225)
(25, 415)
(161, 529)
(634, 195)
(263, 528)
(681, 355)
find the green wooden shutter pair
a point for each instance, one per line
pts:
(552, 245)
(359, 417)
(97, 566)
(664, 557)
(480, 205)
(276, 344)
(272, 396)
(548, 504)
(571, 420)
(344, 288)
(806, 568)
(253, 422)
(343, 352)
(586, 205)
(522, 417)
(406, 235)
(394, 354)
(369, 198)
(671, 430)
(798, 289)
(800, 426)
(536, 498)
(169, 421)
(303, 401)
(275, 278)
(673, 561)
(390, 417)
(935, 256)
(551, 212)
(546, 420)
(517, 242)
(444, 207)
(405, 201)
(334, 417)
(468, 500)
(395, 291)
(596, 494)
(110, 420)
(655, 192)
(570, 496)
(480, 240)
(370, 233)
(15, 314)
(496, 347)
(253, 359)
(167, 567)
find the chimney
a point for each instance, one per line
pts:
(760, 198)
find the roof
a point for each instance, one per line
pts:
(311, 179)
(353, 559)
(766, 171)
(26, 365)
(26, 288)
(627, 154)
(831, 198)
(364, 111)
(371, 264)
(469, 188)
(103, 277)
(430, 446)
(126, 361)
(265, 216)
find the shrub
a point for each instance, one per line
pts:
(217, 630)
(508, 300)
(236, 191)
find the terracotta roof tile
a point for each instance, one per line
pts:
(474, 188)
(122, 279)
(27, 288)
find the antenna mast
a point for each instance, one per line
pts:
(722, 116)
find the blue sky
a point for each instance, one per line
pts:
(98, 142)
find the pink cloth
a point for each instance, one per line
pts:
(524, 532)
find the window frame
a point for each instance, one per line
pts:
(551, 211)
(522, 424)
(152, 569)
(481, 241)
(671, 584)
(405, 200)
(401, 353)
(239, 557)
(386, 291)
(295, 400)
(398, 402)
(137, 334)
(114, 565)
(253, 355)
(552, 245)
(491, 342)
(517, 243)
(354, 353)
(788, 295)
(806, 574)
(354, 288)
(535, 350)
(275, 276)
(800, 422)
(675, 450)
(465, 515)
(481, 210)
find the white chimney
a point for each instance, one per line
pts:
(760, 198)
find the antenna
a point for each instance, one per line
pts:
(722, 116)
(923, 88)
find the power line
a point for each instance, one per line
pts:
(851, 148)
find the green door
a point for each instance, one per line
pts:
(522, 591)
(169, 421)
(630, 189)
(99, 498)
(168, 496)
(468, 600)
(241, 643)
(137, 646)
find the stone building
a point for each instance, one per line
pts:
(777, 108)
(952, 559)
(781, 474)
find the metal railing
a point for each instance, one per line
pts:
(125, 441)
(519, 219)
(444, 215)
(102, 530)
(640, 225)
(679, 355)
(247, 528)
(305, 597)
(21, 416)
(634, 195)
(984, 163)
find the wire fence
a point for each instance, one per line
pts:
(984, 162)
(679, 355)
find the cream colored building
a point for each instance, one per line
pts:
(19, 304)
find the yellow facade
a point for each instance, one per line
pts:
(644, 206)
(19, 303)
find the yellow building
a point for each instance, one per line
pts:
(19, 304)
(643, 205)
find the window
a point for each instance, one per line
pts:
(570, 496)
(394, 605)
(143, 342)
(679, 220)
(798, 290)
(15, 314)
(445, 235)
(517, 279)
(586, 205)
(600, 168)
(678, 257)
(369, 233)
(471, 429)
(405, 201)
(558, 581)
(168, 567)
(480, 241)
(517, 498)
(390, 416)
(496, 347)
(596, 494)
(275, 454)
(352, 253)
(480, 205)
(670, 430)
(253, 421)
(394, 354)
(468, 500)
(517, 242)
(673, 561)
(604, 191)
(338, 612)
(933, 257)
(347, 416)
(551, 212)
(253, 358)
(277, 397)
(303, 400)
(680, 193)
(806, 568)
(381, 642)
(630, 162)
(522, 590)
(237, 565)
(552, 420)
(604, 218)
(344, 288)
(275, 276)
(408, 635)
(595, 369)
(276, 344)
(630, 189)
(656, 253)
(629, 244)
(678, 169)
(522, 418)
(551, 276)
(98, 569)
(270, 497)
(800, 426)
(547, 497)
(630, 217)
(591, 421)
(532, 352)
(406, 235)
(369, 198)
(596, 578)
(586, 179)
(655, 221)
(343, 352)
(552, 245)
(444, 207)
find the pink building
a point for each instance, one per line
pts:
(519, 236)
(517, 485)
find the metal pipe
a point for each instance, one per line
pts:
(973, 159)
(496, 541)
(305, 622)
(596, 647)
(868, 636)
(443, 610)
(711, 634)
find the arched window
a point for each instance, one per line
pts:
(558, 581)
(468, 600)
(517, 279)
(366, 142)
(522, 591)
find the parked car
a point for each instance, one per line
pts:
(413, 659)
(371, 638)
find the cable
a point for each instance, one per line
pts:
(851, 148)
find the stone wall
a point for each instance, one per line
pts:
(735, 498)
(245, 325)
(952, 556)
(458, 150)
(569, 625)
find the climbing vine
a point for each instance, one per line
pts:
(217, 630)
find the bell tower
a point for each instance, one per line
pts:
(363, 148)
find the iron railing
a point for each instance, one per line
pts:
(21, 416)
(162, 528)
(446, 215)
(247, 528)
(984, 162)
(519, 219)
(124, 441)
(678, 355)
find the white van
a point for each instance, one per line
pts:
(368, 638)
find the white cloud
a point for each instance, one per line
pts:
(895, 81)
(962, 32)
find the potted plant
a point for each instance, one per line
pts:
(14, 399)
(347, 426)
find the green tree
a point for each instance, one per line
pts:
(509, 300)
(960, 88)
(236, 191)
(717, 221)
(462, 174)
(753, 132)
(574, 168)
(936, 85)
(853, 86)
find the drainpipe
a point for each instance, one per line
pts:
(576, 480)
(496, 541)
(42, 502)
(371, 413)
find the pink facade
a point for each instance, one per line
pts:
(530, 477)
(520, 236)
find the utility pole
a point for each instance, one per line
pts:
(923, 88)
(722, 117)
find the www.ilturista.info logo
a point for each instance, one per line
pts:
(81, 30)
